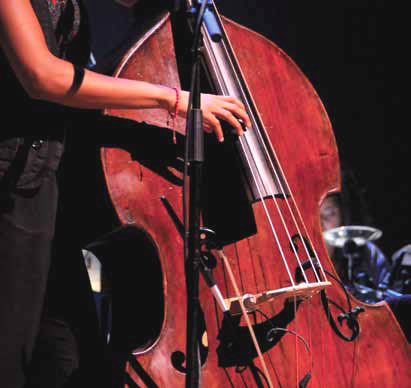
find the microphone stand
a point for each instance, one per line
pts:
(194, 159)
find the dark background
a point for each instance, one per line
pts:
(353, 53)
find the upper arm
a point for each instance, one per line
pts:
(23, 41)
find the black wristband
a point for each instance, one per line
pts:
(77, 79)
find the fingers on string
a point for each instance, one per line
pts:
(229, 117)
(212, 125)
(237, 107)
(217, 129)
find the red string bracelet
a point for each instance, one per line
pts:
(174, 113)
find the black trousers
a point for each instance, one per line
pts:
(48, 326)
(27, 220)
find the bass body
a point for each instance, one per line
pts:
(300, 341)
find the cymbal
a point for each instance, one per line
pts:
(360, 234)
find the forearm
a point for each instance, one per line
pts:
(47, 77)
(97, 91)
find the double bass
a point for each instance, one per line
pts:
(291, 322)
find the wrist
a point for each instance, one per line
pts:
(174, 109)
(167, 98)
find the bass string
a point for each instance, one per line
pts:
(229, 271)
(297, 374)
(224, 90)
(270, 306)
(238, 260)
(274, 232)
(299, 216)
(276, 238)
(303, 241)
(250, 103)
(254, 258)
(283, 222)
(237, 292)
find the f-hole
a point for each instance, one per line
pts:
(132, 284)
(297, 237)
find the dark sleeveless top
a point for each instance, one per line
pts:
(33, 131)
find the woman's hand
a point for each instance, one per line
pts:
(216, 108)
